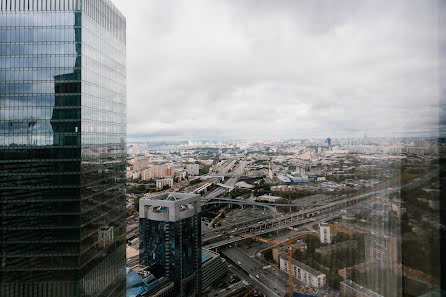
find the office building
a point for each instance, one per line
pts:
(304, 273)
(62, 150)
(324, 233)
(143, 283)
(170, 240)
(214, 268)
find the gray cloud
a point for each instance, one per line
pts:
(282, 69)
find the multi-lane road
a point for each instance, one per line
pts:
(231, 181)
(221, 237)
(271, 283)
(296, 219)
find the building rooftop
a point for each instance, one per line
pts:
(364, 291)
(172, 196)
(305, 267)
(169, 206)
(135, 284)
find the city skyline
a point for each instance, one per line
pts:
(259, 70)
(222, 148)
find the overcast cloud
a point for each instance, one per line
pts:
(253, 69)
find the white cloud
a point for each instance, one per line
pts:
(281, 69)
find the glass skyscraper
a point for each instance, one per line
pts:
(170, 240)
(62, 148)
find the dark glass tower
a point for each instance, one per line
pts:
(62, 148)
(170, 240)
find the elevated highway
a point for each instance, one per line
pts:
(222, 240)
(322, 212)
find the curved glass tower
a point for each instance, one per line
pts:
(62, 148)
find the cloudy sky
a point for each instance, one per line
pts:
(259, 69)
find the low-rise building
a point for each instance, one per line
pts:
(268, 198)
(140, 282)
(351, 289)
(304, 273)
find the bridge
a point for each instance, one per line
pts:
(241, 203)
(202, 188)
(221, 241)
(222, 176)
(272, 206)
(230, 188)
(327, 211)
(211, 200)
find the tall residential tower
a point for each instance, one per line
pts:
(62, 148)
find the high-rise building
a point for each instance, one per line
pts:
(170, 239)
(62, 148)
(157, 171)
(160, 183)
(324, 233)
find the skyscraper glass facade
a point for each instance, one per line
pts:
(62, 148)
(170, 242)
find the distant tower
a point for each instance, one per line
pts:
(190, 142)
(300, 169)
(366, 140)
(324, 233)
(329, 143)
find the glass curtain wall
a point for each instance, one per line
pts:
(62, 149)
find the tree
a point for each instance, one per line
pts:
(268, 254)
(195, 181)
(313, 242)
(341, 236)
(204, 170)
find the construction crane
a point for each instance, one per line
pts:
(278, 243)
